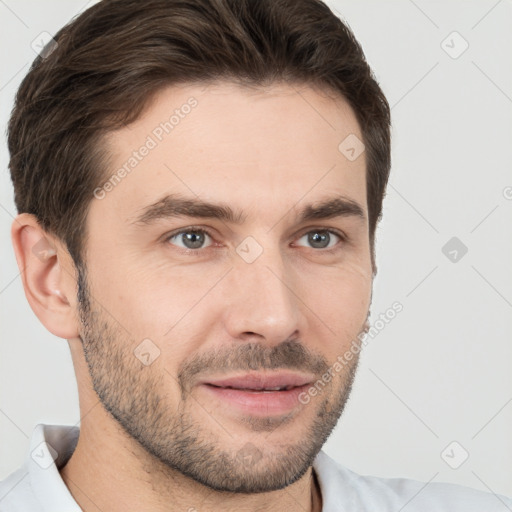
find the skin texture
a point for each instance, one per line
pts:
(152, 437)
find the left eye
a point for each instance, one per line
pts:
(320, 239)
(193, 239)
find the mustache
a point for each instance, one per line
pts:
(289, 355)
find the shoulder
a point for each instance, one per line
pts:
(37, 485)
(16, 493)
(341, 487)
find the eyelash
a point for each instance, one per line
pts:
(198, 252)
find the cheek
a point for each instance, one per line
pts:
(145, 299)
(341, 298)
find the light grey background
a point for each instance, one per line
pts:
(440, 371)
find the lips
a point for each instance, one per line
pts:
(258, 394)
(262, 382)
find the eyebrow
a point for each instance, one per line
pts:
(173, 205)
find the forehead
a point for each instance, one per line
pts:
(258, 148)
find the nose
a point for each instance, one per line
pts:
(262, 305)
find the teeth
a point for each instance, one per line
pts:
(264, 390)
(277, 388)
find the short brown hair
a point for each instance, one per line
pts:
(114, 57)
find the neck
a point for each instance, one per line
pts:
(110, 471)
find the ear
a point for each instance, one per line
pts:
(48, 274)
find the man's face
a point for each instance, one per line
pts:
(202, 333)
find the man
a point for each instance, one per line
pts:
(198, 186)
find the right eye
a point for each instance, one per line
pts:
(192, 239)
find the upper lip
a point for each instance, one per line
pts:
(274, 380)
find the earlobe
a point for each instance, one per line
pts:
(47, 275)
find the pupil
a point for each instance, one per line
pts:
(319, 238)
(193, 238)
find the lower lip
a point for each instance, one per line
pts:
(259, 403)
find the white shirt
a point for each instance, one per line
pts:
(38, 487)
